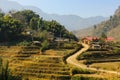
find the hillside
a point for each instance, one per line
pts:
(110, 27)
(71, 22)
(84, 32)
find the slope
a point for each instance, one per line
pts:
(110, 27)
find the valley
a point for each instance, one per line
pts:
(59, 44)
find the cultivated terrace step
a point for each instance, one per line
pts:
(46, 76)
(28, 62)
(44, 67)
(38, 71)
(50, 68)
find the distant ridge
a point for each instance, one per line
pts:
(110, 27)
(71, 22)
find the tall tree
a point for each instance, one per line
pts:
(34, 23)
(9, 28)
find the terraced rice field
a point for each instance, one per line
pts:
(30, 64)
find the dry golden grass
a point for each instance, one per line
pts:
(50, 52)
(115, 33)
(101, 75)
(44, 62)
(60, 52)
(113, 66)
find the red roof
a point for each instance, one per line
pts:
(110, 39)
(89, 38)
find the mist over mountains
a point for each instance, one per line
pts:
(71, 22)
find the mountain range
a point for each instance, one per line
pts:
(110, 27)
(71, 22)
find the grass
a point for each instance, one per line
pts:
(102, 59)
(88, 77)
(32, 64)
(58, 52)
(95, 76)
(113, 66)
(50, 65)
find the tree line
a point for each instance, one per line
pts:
(15, 25)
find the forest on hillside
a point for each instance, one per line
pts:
(24, 25)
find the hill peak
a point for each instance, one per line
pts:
(117, 12)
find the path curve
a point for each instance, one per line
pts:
(73, 61)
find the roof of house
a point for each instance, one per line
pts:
(109, 39)
(90, 38)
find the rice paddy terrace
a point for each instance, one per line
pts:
(30, 64)
(27, 62)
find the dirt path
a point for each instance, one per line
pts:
(73, 61)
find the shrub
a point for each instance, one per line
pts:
(24, 43)
(5, 72)
(82, 56)
(45, 45)
(81, 71)
(116, 51)
(98, 54)
(97, 50)
(99, 61)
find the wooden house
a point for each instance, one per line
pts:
(87, 40)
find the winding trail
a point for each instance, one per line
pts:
(73, 61)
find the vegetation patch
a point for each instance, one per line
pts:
(81, 71)
(87, 78)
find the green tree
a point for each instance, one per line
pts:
(25, 16)
(103, 35)
(44, 35)
(1, 15)
(102, 39)
(9, 28)
(45, 45)
(34, 23)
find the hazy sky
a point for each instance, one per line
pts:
(83, 8)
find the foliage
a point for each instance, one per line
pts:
(116, 51)
(5, 72)
(44, 35)
(45, 45)
(15, 25)
(27, 15)
(81, 71)
(24, 43)
(34, 23)
(99, 61)
(103, 37)
(1, 15)
(9, 28)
